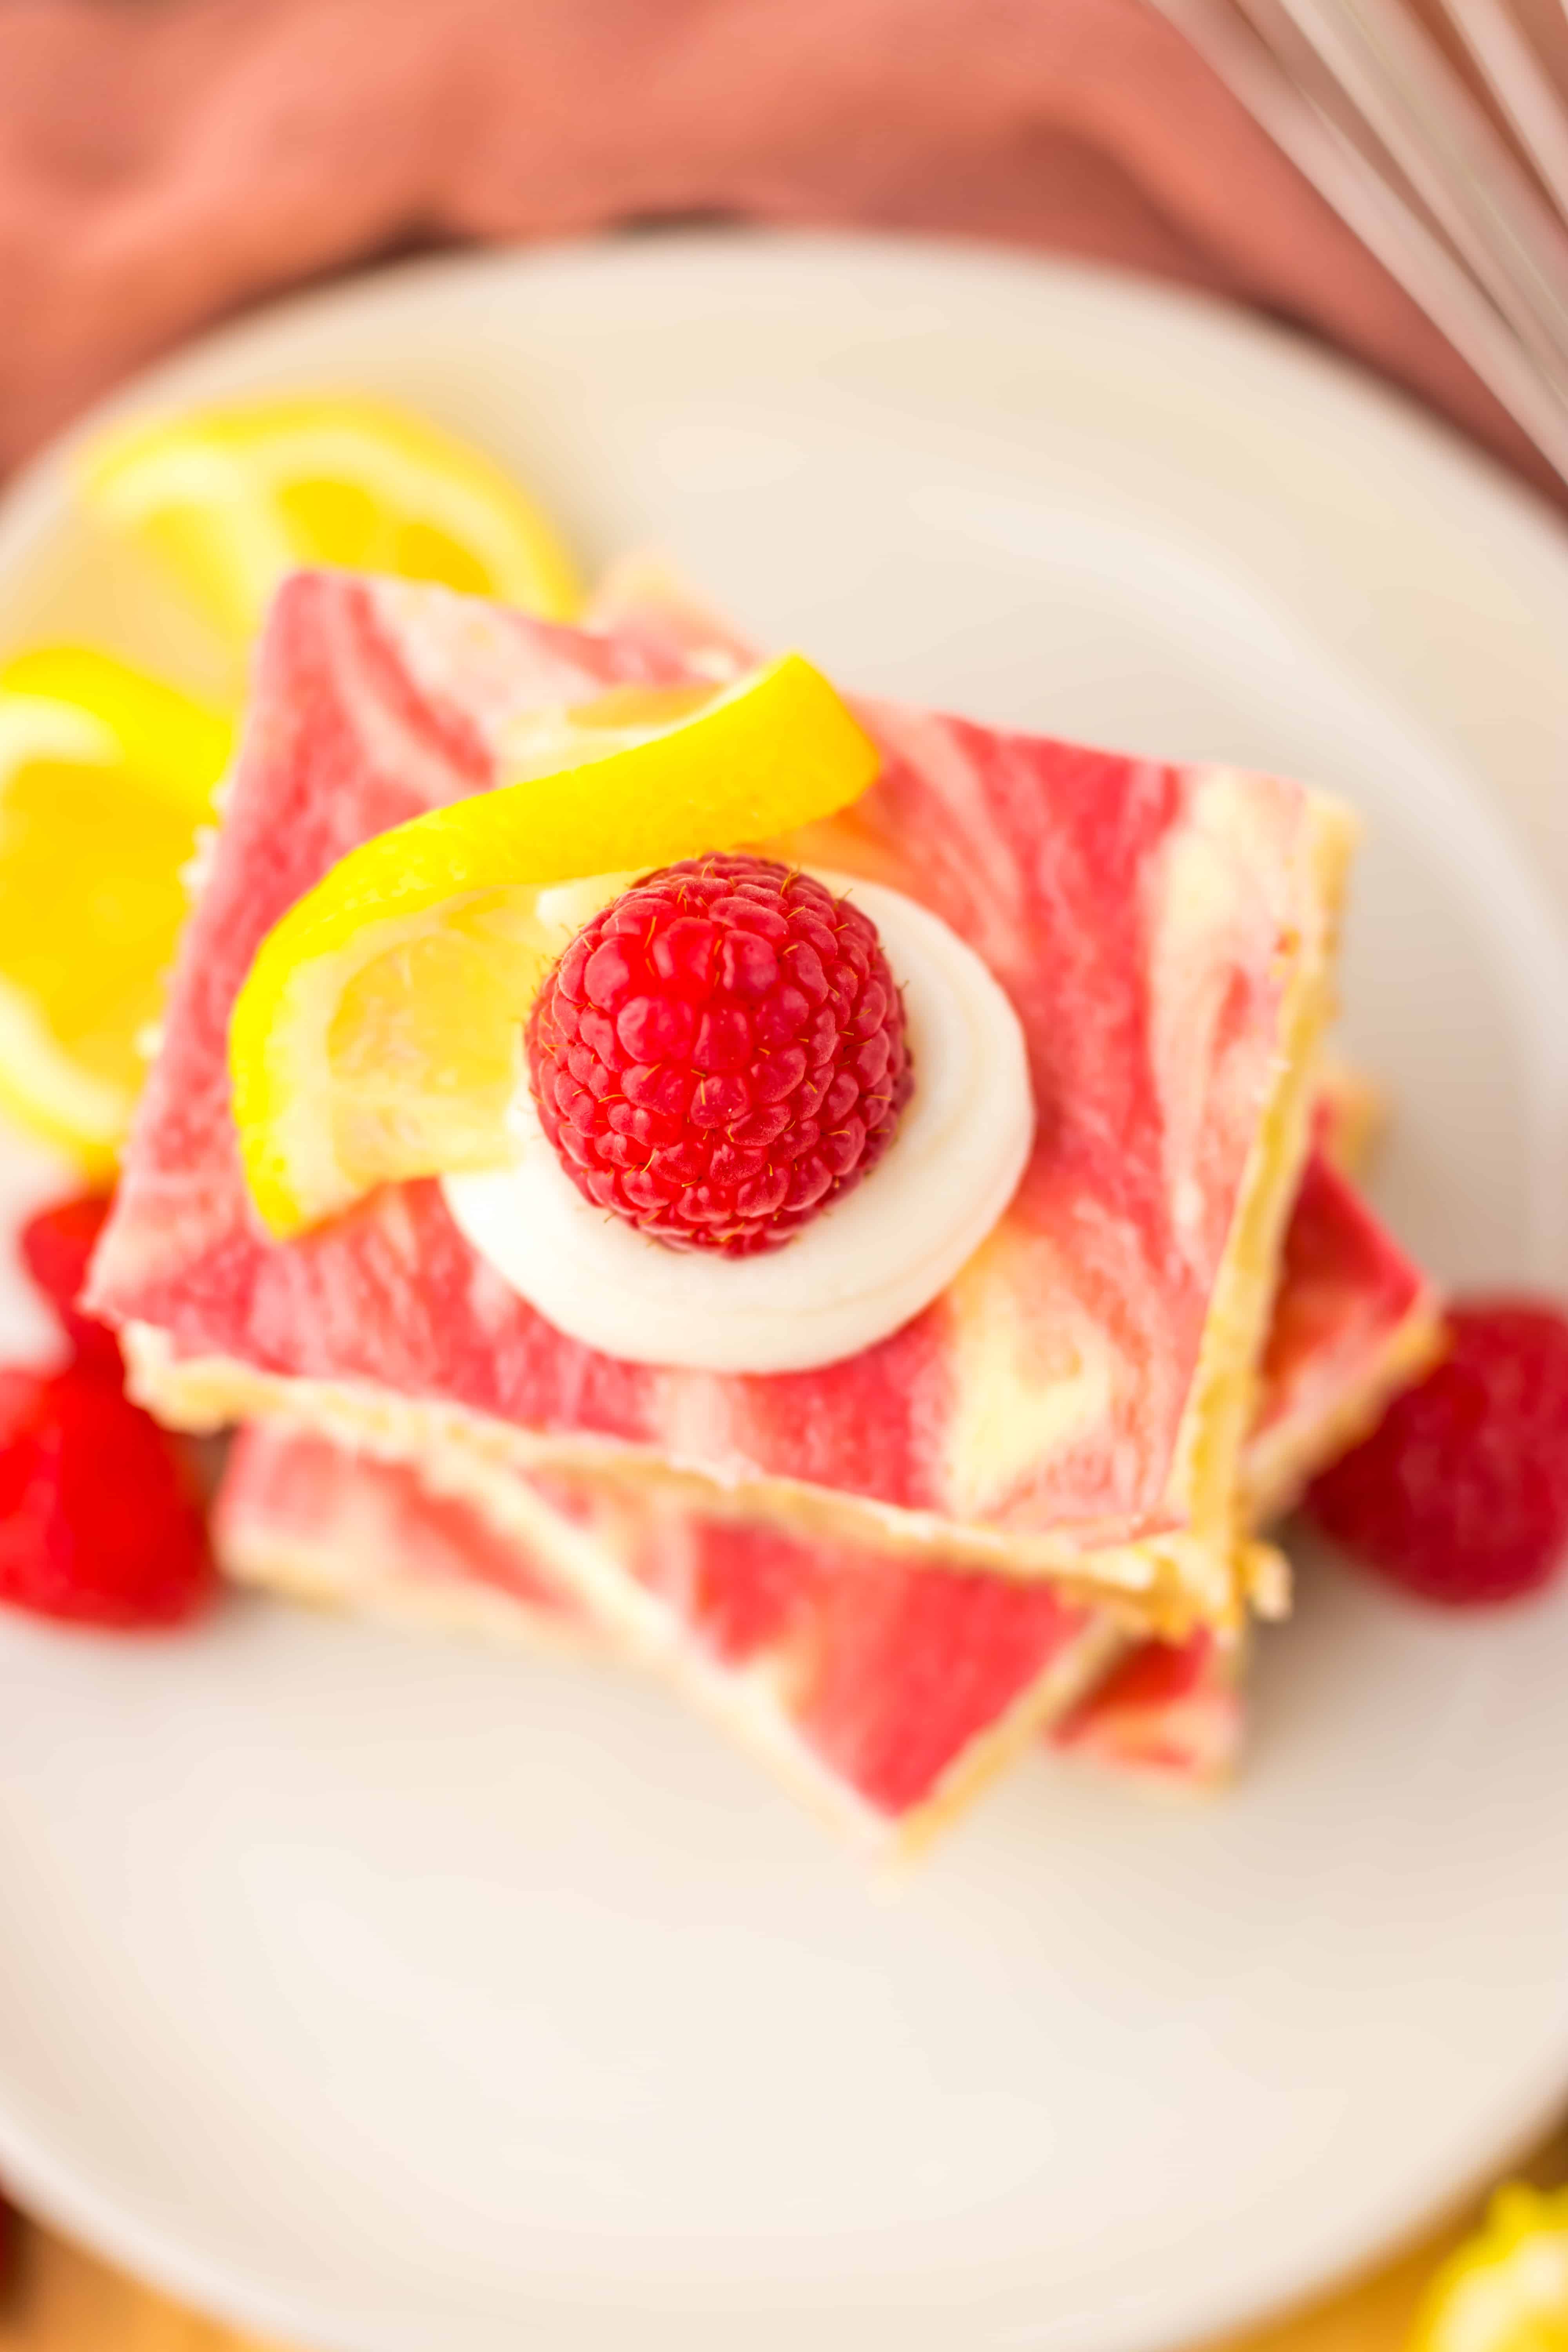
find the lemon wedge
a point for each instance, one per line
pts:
(1506, 2289)
(232, 497)
(104, 776)
(378, 1033)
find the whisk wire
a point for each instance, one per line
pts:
(1386, 128)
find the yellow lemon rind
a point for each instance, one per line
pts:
(1506, 2288)
(80, 707)
(172, 743)
(776, 750)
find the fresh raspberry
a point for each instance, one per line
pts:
(720, 1053)
(1461, 1492)
(100, 1523)
(56, 1246)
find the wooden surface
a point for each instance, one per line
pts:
(60, 2299)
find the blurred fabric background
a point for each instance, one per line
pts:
(165, 163)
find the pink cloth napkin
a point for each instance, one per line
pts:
(165, 162)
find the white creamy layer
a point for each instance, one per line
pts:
(860, 1270)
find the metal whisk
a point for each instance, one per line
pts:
(1467, 210)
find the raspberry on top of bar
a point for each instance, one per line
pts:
(1073, 1404)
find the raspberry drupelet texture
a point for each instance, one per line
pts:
(99, 1520)
(720, 1053)
(55, 1247)
(1461, 1492)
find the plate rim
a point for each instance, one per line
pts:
(50, 2183)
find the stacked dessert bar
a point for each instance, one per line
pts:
(1035, 1506)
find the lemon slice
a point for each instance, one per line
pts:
(378, 1033)
(104, 776)
(1506, 2289)
(232, 497)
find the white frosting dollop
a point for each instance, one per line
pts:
(860, 1270)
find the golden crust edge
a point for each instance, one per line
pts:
(465, 1453)
(1205, 1490)
(1278, 1474)
(322, 1579)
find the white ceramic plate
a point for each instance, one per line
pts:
(408, 1998)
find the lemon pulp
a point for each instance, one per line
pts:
(105, 775)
